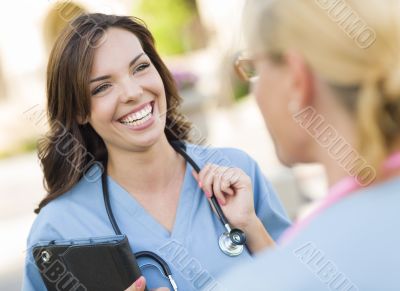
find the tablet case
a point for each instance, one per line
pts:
(96, 264)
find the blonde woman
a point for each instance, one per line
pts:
(328, 87)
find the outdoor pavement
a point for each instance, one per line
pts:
(20, 190)
(240, 126)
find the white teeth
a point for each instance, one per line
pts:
(139, 122)
(139, 117)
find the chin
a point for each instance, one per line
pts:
(152, 135)
(291, 158)
(285, 161)
(286, 157)
(149, 140)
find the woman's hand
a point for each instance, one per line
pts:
(234, 192)
(140, 283)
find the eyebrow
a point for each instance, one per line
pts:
(108, 76)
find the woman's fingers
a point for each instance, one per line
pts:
(217, 180)
(206, 179)
(202, 181)
(211, 178)
(222, 184)
(138, 285)
(196, 177)
(216, 187)
(227, 180)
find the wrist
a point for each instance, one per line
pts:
(252, 223)
(257, 235)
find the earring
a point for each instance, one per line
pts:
(294, 106)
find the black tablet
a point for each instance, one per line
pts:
(95, 264)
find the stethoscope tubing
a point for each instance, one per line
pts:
(213, 199)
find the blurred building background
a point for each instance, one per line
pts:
(198, 40)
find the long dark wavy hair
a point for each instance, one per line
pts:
(70, 148)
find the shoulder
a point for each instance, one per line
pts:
(81, 195)
(374, 205)
(63, 213)
(270, 270)
(224, 156)
(353, 233)
(371, 212)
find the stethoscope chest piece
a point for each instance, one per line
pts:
(231, 243)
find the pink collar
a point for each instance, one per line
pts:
(337, 192)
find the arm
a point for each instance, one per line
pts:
(40, 230)
(31, 279)
(258, 237)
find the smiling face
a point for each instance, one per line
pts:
(128, 101)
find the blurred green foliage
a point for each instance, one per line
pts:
(240, 90)
(168, 21)
(25, 146)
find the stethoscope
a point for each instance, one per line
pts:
(231, 242)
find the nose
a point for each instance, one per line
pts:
(131, 89)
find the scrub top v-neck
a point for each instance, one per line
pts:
(120, 198)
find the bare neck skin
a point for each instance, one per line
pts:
(338, 117)
(335, 172)
(395, 149)
(146, 172)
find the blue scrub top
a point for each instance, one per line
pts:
(191, 249)
(353, 245)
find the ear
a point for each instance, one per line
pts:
(301, 81)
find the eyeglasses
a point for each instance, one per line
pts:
(245, 68)
(245, 64)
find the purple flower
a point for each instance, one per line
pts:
(184, 79)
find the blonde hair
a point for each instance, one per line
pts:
(354, 45)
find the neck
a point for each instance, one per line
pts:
(331, 156)
(335, 172)
(145, 171)
(394, 168)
